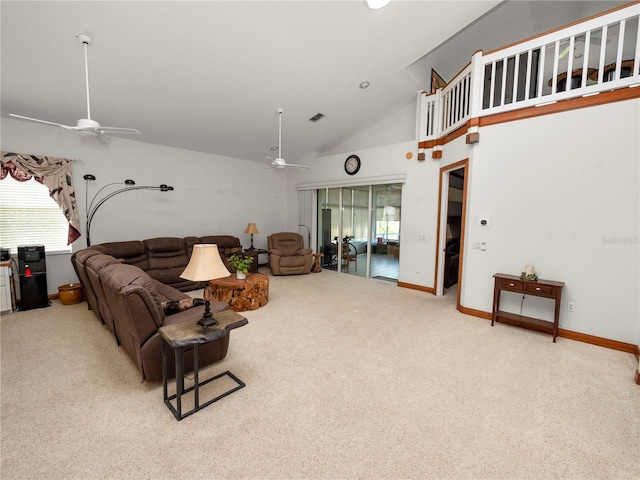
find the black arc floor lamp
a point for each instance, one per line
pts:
(129, 185)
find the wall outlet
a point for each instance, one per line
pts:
(571, 306)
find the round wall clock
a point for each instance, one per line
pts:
(352, 164)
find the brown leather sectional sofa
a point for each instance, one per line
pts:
(134, 288)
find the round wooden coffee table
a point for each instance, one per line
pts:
(241, 295)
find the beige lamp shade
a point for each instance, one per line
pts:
(205, 264)
(252, 229)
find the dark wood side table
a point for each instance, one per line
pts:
(257, 252)
(539, 288)
(190, 334)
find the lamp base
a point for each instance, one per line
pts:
(207, 319)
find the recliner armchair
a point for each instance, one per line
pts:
(287, 255)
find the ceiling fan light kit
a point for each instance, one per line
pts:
(86, 126)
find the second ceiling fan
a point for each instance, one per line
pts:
(280, 163)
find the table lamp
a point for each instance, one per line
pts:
(205, 264)
(251, 228)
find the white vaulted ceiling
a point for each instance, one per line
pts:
(209, 75)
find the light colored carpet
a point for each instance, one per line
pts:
(346, 378)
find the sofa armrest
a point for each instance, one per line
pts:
(275, 251)
(304, 251)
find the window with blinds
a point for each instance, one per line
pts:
(31, 217)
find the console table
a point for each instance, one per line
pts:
(539, 288)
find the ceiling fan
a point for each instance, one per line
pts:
(280, 163)
(86, 126)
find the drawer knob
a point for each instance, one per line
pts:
(538, 289)
(512, 284)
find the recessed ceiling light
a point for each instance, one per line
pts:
(274, 148)
(364, 85)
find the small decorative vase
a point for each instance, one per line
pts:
(241, 275)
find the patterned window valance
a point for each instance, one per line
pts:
(55, 173)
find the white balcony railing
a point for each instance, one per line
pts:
(586, 58)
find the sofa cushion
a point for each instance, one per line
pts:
(223, 241)
(166, 252)
(131, 252)
(78, 260)
(94, 266)
(137, 314)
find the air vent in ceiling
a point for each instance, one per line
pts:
(316, 117)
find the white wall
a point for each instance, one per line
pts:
(561, 192)
(419, 198)
(213, 194)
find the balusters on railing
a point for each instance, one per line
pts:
(527, 82)
(428, 116)
(619, 53)
(603, 52)
(535, 72)
(456, 104)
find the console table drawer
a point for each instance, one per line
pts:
(533, 289)
(511, 285)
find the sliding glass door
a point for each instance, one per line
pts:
(386, 231)
(358, 229)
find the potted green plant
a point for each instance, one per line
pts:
(240, 264)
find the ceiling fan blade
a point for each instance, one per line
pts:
(280, 164)
(105, 140)
(37, 120)
(296, 166)
(130, 131)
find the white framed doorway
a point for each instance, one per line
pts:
(452, 209)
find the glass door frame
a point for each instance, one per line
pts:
(315, 213)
